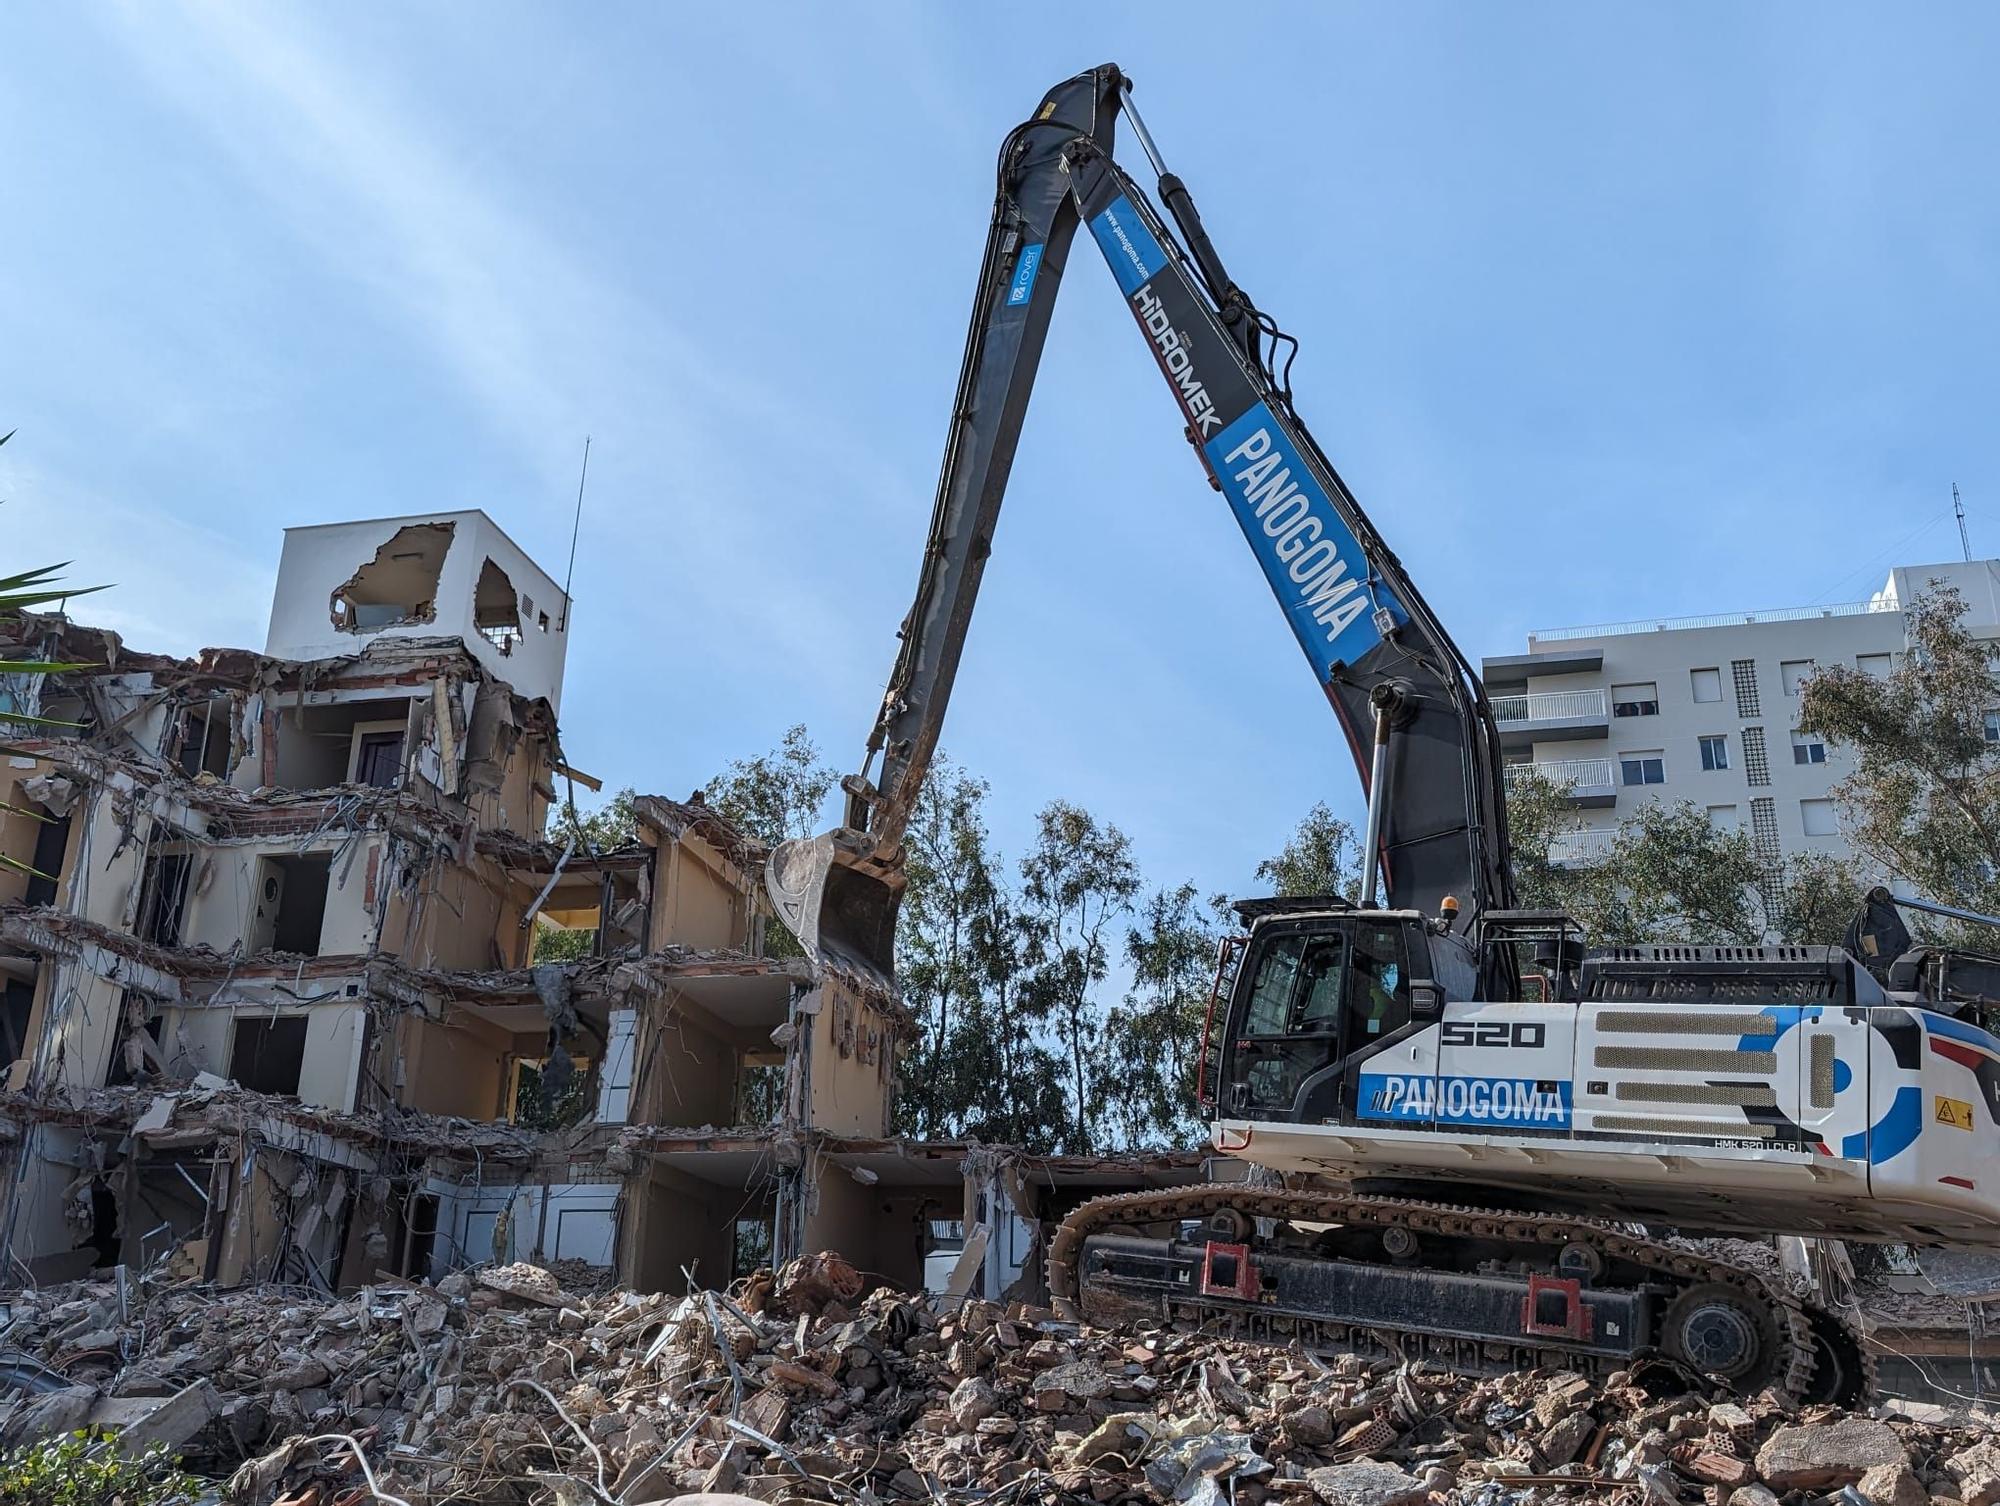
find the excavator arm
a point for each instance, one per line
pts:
(1413, 711)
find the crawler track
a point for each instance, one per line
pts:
(1816, 1358)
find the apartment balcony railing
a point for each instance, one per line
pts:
(1587, 781)
(1548, 706)
(1551, 716)
(1711, 620)
(1577, 847)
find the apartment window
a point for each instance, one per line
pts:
(1714, 753)
(1817, 815)
(1807, 747)
(1635, 700)
(1793, 672)
(1642, 768)
(1878, 665)
(1707, 685)
(1993, 726)
(1756, 761)
(1743, 672)
(1724, 818)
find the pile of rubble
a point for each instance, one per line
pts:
(504, 1385)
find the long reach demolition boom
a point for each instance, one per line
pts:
(1476, 1130)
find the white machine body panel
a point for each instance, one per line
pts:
(1874, 1122)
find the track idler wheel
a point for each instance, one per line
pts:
(1722, 1332)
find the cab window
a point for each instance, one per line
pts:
(1381, 994)
(1298, 986)
(1303, 981)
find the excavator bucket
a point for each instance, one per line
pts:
(842, 913)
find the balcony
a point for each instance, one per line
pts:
(1542, 716)
(1589, 782)
(1578, 849)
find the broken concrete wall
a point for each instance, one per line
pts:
(678, 1223)
(851, 1062)
(455, 916)
(51, 1202)
(517, 626)
(686, 1071)
(20, 830)
(459, 1067)
(880, 1230)
(701, 898)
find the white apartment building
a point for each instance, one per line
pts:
(1706, 709)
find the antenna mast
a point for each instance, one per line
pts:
(1964, 540)
(569, 573)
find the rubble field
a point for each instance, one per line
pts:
(521, 1384)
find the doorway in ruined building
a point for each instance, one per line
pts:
(163, 897)
(17, 1004)
(378, 759)
(267, 1054)
(135, 1052)
(751, 1250)
(290, 914)
(205, 738)
(51, 842)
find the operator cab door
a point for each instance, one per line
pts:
(1318, 999)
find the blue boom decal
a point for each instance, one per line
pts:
(1311, 558)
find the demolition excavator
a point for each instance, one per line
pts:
(1475, 1140)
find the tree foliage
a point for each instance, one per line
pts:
(1322, 856)
(604, 829)
(89, 1468)
(1076, 881)
(779, 795)
(947, 920)
(1923, 801)
(1152, 1038)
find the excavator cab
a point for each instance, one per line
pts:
(1319, 989)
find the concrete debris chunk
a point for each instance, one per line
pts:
(972, 1402)
(1366, 1483)
(1975, 1474)
(1824, 1455)
(1893, 1485)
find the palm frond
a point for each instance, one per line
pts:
(19, 867)
(40, 576)
(15, 600)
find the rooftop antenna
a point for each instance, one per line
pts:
(1964, 540)
(570, 573)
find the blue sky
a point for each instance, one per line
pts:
(1606, 312)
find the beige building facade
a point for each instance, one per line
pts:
(272, 1009)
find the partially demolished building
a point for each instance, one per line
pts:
(272, 1010)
